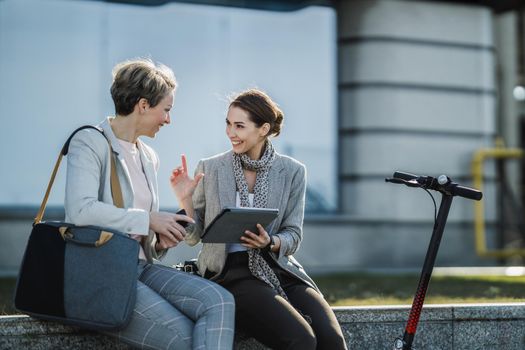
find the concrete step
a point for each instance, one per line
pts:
(443, 327)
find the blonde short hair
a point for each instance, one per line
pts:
(140, 78)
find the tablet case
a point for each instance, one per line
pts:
(230, 224)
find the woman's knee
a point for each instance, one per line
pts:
(296, 334)
(220, 297)
(308, 341)
(330, 338)
(304, 340)
(226, 295)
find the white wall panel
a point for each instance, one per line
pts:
(377, 153)
(412, 109)
(421, 20)
(375, 199)
(56, 58)
(395, 62)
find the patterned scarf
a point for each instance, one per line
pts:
(256, 263)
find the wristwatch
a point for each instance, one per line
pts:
(272, 242)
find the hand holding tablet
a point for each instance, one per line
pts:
(232, 222)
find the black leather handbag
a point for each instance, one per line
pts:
(79, 275)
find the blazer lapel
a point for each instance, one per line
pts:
(226, 180)
(149, 171)
(275, 183)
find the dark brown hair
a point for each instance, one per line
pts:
(140, 78)
(261, 109)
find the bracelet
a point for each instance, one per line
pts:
(271, 244)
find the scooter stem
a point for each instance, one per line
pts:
(426, 273)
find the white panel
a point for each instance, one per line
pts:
(56, 58)
(393, 62)
(217, 51)
(376, 199)
(382, 153)
(423, 20)
(410, 109)
(50, 56)
(353, 246)
(420, 124)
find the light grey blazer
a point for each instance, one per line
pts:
(88, 189)
(287, 187)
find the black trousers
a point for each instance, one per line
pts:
(263, 314)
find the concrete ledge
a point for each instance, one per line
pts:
(444, 327)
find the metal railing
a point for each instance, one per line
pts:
(478, 162)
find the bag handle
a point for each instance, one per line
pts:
(67, 235)
(116, 191)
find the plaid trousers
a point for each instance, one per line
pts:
(177, 310)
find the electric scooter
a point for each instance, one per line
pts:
(448, 190)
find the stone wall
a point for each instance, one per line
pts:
(441, 327)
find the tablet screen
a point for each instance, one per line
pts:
(230, 224)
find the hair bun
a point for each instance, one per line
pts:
(276, 129)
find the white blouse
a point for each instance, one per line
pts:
(142, 198)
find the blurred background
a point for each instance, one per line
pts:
(368, 87)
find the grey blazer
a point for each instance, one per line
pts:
(88, 189)
(287, 187)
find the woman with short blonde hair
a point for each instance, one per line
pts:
(174, 309)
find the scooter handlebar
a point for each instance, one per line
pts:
(404, 176)
(433, 183)
(467, 192)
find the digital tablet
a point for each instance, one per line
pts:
(232, 222)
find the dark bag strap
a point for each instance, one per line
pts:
(116, 190)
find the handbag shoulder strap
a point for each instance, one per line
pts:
(116, 190)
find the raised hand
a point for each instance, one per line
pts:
(181, 183)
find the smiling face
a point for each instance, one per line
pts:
(244, 134)
(154, 118)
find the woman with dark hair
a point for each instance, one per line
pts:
(173, 310)
(276, 301)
